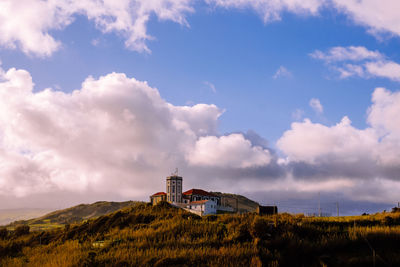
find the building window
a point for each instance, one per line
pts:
(168, 189)
(173, 189)
(173, 198)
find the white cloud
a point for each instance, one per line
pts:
(26, 24)
(352, 53)
(231, 151)
(359, 61)
(282, 72)
(379, 16)
(114, 134)
(271, 10)
(313, 142)
(117, 136)
(348, 70)
(316, 105)
(346, 148)
(385, 69)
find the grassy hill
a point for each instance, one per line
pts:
(74, 214)
(162, 235)
(10, 215)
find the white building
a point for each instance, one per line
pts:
(202, 207)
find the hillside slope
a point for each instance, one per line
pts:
(75, 214)
(10, 215)
(163, 235)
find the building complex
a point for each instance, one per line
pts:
(194, 200)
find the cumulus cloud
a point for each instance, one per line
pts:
(27, 24)
(114, 134)
(359, 61)
(232, 151)
(311, 142)
(316, 105)
(341, 150)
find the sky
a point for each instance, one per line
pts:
(289, 102)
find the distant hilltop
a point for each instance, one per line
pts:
(75, 214)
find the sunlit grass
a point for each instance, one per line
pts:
(165, 236)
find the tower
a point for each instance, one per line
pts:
(174, 188)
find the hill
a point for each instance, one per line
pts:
(10, 215)
(162, 235)
(239, 203)
(74, 214)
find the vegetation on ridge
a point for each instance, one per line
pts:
(74, 214)
(162, 235)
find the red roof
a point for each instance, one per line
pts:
(198, 192)
(159, 194)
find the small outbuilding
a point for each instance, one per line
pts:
(158, 197)
(267, 210)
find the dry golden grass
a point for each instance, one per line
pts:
(165, 236)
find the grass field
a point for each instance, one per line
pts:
(162, 235)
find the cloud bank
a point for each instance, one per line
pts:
(114, 134)
(341, 150)
(28, 24)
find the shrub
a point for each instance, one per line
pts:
(260, 228)
(3, 233)
(21, 230)
(389, 221)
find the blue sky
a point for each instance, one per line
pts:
(260, 72)
(233, 50)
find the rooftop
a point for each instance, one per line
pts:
(174, 177)
(200, 192)
(159, 194)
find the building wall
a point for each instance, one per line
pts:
(209, 207)
(267, 210)
(174, 189)
(195, 197)
(157, 199)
